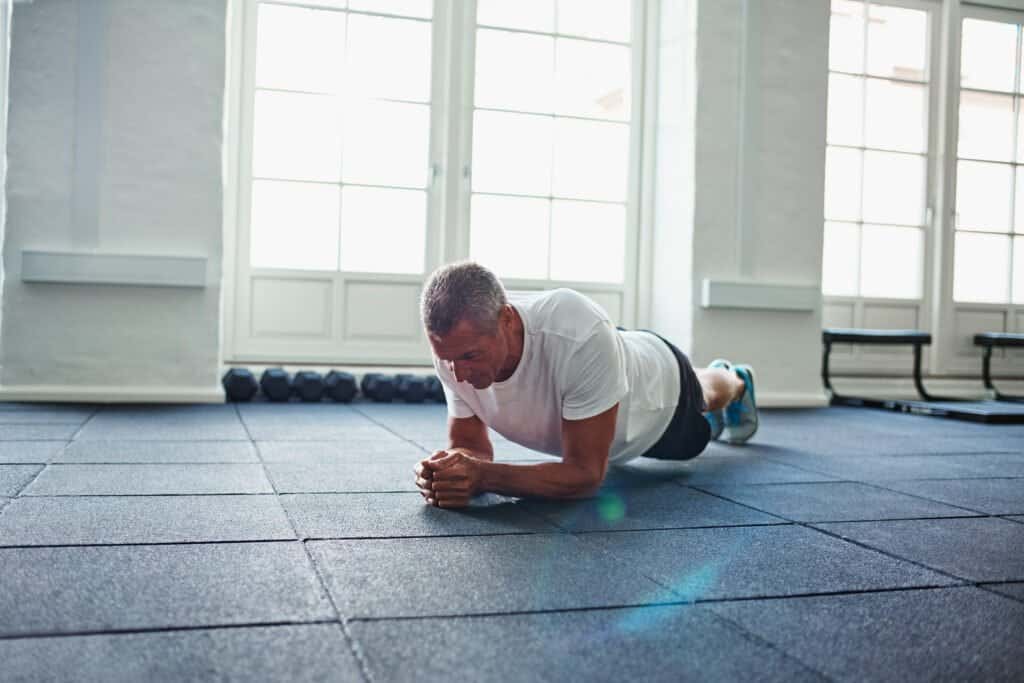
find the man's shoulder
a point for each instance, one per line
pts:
(564, 309)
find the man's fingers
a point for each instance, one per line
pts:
(437, 455)
(442, 463)
(423, 483)
(422, 470)
(450, 474)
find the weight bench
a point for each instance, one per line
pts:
(989, 341)
(929, 404)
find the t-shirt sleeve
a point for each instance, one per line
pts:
(456, 406)
(595, 376)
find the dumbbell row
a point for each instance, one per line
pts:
(277, 385)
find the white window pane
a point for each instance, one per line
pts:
(1019, 203)
(983, 196)
(512, 153)
(1018, 270)
(387, 143)
(388, 58)
(602, 228)
(407, 8)
(299, 48)
(1020, 127)
(294, 225)
(845, 110)
(592, 79)
(893, 188)
(890, 262)
(607, 19)
(988, 55)
(383, 230)
(896, 116)
(897, 42)
(981, 268)
(297, 136)
(986, 126)
(514, 71)
(842, 184)
(840, 266)
(509, 235)
(533, 15)
(591, 160)
(846, 37)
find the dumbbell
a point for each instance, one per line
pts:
(410, 388)
(239, 384)
(340, 386)
(276, 384)
(435, 391)
(378, 387)
(308, 386)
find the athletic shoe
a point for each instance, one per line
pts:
(741, 415)
(716, 418)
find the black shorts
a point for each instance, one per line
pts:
(688, 432)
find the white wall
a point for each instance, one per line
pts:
(115, 146)
(757, 154)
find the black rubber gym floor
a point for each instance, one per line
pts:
(287, 543)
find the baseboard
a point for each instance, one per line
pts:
(791, 399)
(56, 393)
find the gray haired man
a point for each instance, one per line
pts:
(548, 370)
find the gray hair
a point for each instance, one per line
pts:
(462, 291)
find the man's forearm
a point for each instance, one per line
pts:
(544, 480)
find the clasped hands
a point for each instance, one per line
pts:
(448, 479)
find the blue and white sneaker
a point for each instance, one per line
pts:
(716, 418)
(741, 415)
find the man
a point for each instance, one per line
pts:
(548, 370)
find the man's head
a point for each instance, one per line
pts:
(469, 322)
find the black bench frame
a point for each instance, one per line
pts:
(918, 340)
(989, 341)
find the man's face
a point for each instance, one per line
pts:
(472, 355)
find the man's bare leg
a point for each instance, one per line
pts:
(720, 387)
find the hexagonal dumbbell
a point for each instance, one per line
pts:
(410, 388)
(308, 386)
(276, 384)
(239, 384)
(340, 386)
(378, 387)
(435, 390)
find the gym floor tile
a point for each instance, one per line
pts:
(312, 652)
(993, 464)
(140, 452)
(37, 432)
(750, 562)
(991, 496)
(1011, 590)
(833, 501)
(149, 479)
(143, 519)
(955, 634)
(14, 477)
(984, 549)
(447, 576)
(722, 467)
(339, 452)
(886, 467)
(388, 515)
(29, 452)
(382, 477)
(53, 414)
(165, 423)
(103, 588)
(652, 506)
(668, 643)
(321, 431)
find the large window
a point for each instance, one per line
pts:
(341, 136)
(989, 242)
(551, 139)
(877, 151)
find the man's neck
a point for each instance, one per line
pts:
(515, 349)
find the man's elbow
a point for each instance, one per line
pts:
(588, 485)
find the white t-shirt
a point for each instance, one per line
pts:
(575, 365)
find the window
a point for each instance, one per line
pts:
(989, 229)
(551, 139)
(341, 135)
(877, 151)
